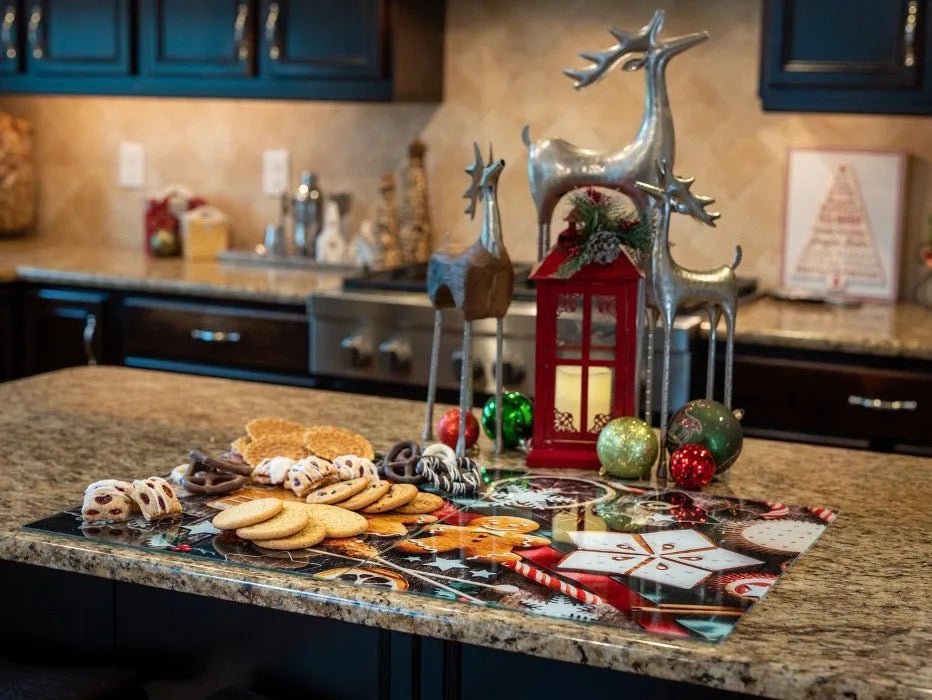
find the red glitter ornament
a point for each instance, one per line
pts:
(448, 428)
(692, 466)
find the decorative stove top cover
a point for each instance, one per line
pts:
(579, 547)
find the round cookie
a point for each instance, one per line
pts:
(312, 533)
(259, 427)
(292, 519)
(422, 503)
(330, 442)
(338, 521)
(340, 491)
(270, 446)
(246, 514)
(366, 497)
(396, 496)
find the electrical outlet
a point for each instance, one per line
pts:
(275, 171)
(132, 165)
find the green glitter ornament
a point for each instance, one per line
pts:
(627, 448)
(517, 418)
(708, 423)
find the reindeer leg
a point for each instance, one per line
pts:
(651, 316)
(543, 238)
(730, 313)
(428, 434)
(465, 387)
(710, 368)
(499, 350)
(664, 398)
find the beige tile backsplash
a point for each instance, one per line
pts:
(503, 61)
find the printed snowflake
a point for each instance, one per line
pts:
(562, 607)
(549, 497)
(679, 558)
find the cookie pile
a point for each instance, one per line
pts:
(271, 523)
(112, 500)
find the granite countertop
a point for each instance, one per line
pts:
(851, 618)
(892, 330)
(34, 261)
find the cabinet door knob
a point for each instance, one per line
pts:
(881, 404)
(207, 336)
(271, 31)
(90, 329)
(909, 34)
(33, 32)
(7, 29)
(241, 35)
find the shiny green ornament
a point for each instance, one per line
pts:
(708, 423)
(627, 448)
(517, 418)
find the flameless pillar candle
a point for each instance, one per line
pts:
(568, 392)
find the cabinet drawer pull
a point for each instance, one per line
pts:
(90, 328)
(909, 34)
(7, 27)
(33, 31)
(240, 35)
(881, 405)
(206, 336)
(271, 31)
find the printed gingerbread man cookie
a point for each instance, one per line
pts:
(477, 542)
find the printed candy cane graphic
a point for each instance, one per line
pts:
(538, 576)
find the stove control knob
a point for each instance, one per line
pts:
(478, 371)
(357, 350)
(395, 355)
(513, 373)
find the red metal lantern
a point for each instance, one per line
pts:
(586, 358)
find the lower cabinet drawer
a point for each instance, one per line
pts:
(850, 401)
(246, 337)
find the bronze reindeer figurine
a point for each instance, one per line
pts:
(672, 285)
(478, 281)
(556, 167)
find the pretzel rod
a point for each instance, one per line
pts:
(538, 576)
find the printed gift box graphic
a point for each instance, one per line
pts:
(679, 558)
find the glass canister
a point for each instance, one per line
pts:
(17, 178)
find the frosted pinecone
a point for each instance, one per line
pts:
(604, 247)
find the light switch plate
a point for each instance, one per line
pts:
(275, 169)
(132, 169)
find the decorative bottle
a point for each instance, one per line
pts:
(414, 227)
(387, 246)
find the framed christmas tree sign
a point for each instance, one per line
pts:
(843, 222)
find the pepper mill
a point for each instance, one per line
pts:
(414, 215)
(308, 214)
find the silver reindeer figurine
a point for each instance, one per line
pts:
(478, 281)
(673, 285)
(556, 167)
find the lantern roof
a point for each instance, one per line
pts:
(621, 270)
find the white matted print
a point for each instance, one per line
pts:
(843, 223)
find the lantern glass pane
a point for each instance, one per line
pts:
(601, 382)
(569, 325)
(603, 322)
(567, 415)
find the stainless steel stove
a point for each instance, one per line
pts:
(374, 335)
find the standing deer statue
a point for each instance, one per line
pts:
(556, 167)
(672, 285)
(478, 281)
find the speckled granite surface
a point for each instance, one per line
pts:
(894, 330)
(132, 270)
(852, 618)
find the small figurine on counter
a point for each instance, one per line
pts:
(330, 245)
(365, 249)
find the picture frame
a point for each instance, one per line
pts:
(843, 223)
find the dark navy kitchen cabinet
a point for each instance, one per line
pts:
(11, 50)
(77, 37)
(872, 56)
(323, 38)
(206, 38)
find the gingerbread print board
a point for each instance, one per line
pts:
(669, 562)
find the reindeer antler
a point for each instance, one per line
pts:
(475, 174)
(678, 192)
(644, 39)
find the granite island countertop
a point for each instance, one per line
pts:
(853, 616)
(33, 261)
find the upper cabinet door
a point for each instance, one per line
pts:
(847, 55)
(323, 38)
(11, 19)
(77, 37)
(199, 38)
